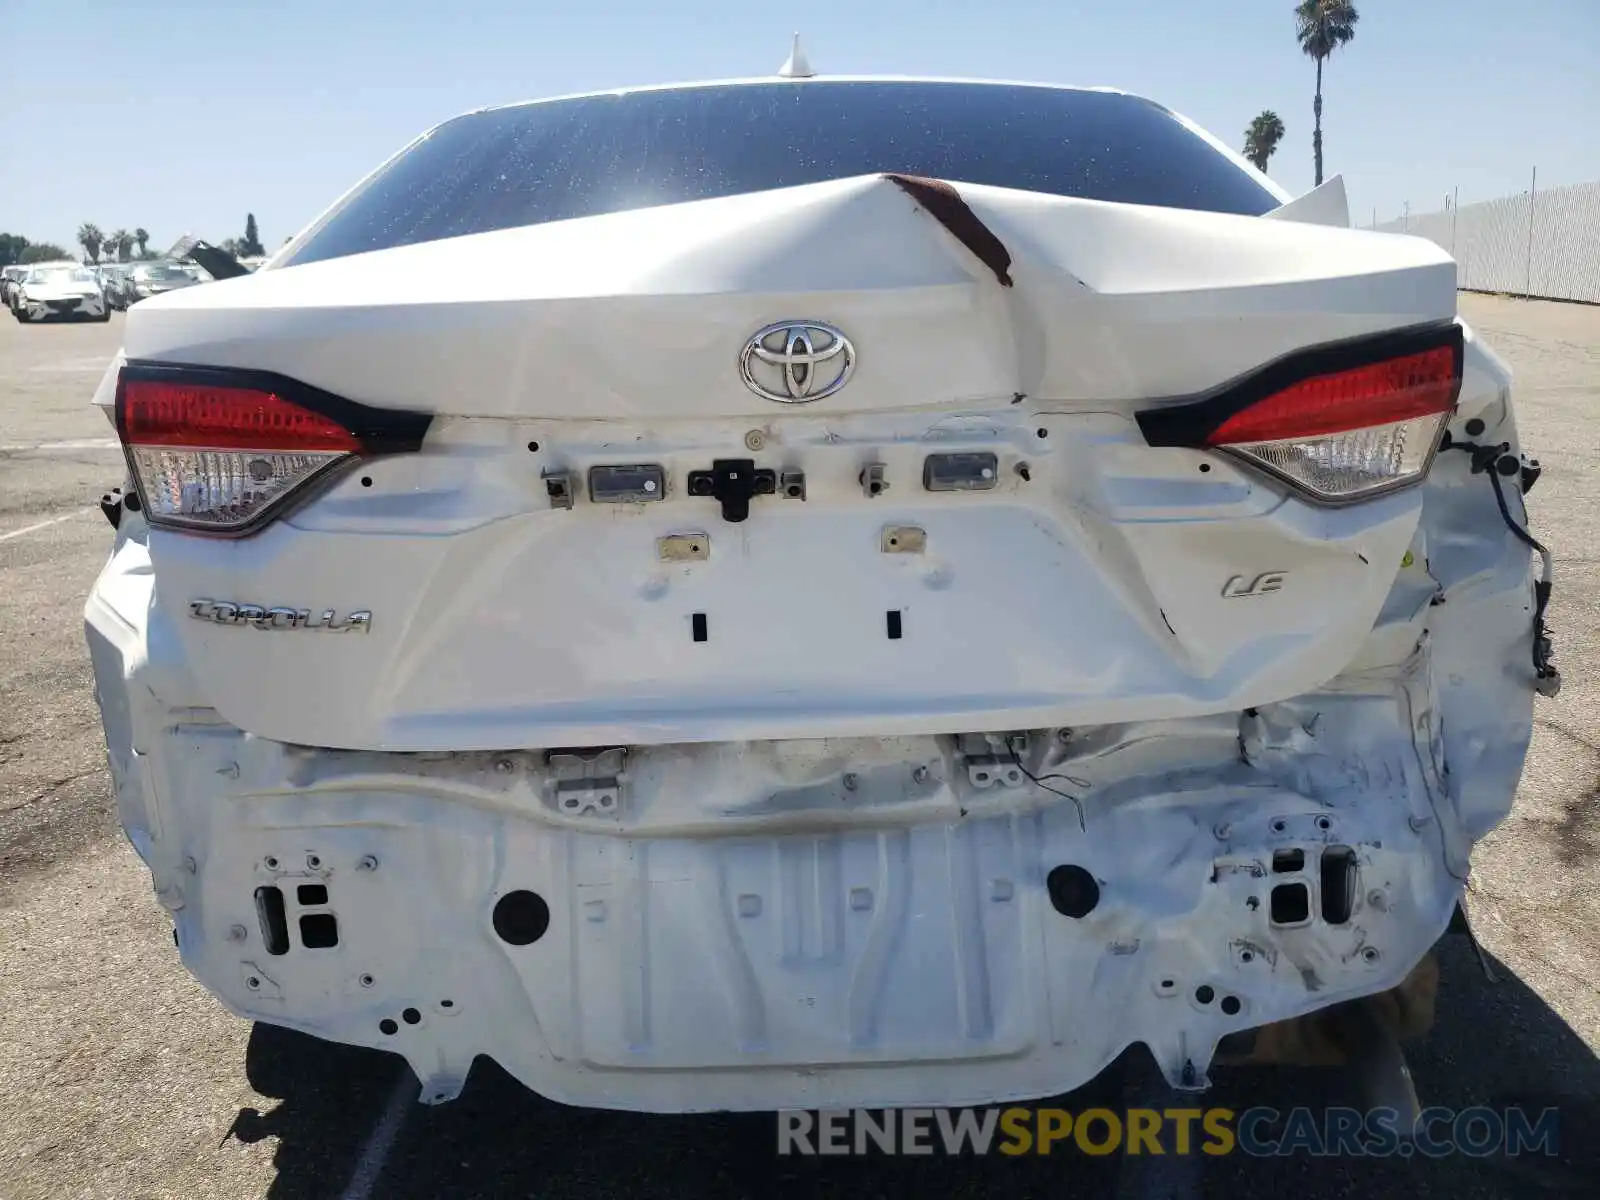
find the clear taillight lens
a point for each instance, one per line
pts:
(222, 490)
(213, 454)
(1347, 466)
(1340, 423)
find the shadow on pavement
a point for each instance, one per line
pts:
(1495, 1045)
(331, 1097)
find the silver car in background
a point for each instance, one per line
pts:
(156, 278)
(10, 280)
(117, 279)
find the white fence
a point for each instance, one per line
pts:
(1545, 244)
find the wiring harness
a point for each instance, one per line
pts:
(1498, 463)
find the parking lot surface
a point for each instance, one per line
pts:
(119, 1077)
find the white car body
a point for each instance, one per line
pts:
(60, 290)
(790, 851)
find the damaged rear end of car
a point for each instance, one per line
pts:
(895, 637)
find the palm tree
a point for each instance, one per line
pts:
(1322, 26)
(91, 239)
(142, 236)
(122, 242)
(1262, 138)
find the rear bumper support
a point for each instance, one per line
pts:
(901, 946)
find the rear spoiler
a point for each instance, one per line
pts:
(219, 264)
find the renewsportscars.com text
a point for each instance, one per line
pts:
(1331, 1132)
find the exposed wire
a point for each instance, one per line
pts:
(1038, 781)
(1487, 460)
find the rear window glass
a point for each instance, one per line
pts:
(596, 154)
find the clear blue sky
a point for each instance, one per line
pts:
(182, 115)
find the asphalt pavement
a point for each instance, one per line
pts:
(120, 1077)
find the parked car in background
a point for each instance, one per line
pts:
(10, 277)
(118, 281)
(158, 278)
(816, 593)
(61, 290)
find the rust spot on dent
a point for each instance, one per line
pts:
(945, 205)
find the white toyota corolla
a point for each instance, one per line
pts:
(815, 592)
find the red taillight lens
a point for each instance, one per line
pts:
(1413, 385)
(1339, 423)
(160, 413)
(222, 452)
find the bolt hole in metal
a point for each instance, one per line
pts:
(1279, 825)
(270, 863)
(1042, 432)
(1205, 468)
(252, 983)
(388, 1027)
(521, 918)
(367, 981)
(1246, 956)
(1290, 904)
(411, 1017)
(1339, 884)
(366, 481)
(447, 1004)
(1205, 994)
(1371, 954)
(1324, 824)
(273, 920)
(314, 862)
(1074, 892)
(319, 931)
(1231, 1006)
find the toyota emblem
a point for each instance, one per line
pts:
(796, 362)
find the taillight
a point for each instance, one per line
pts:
(223, 452)
(1339, 423)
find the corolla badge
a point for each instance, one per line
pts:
(261, 616)
(796, 362)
